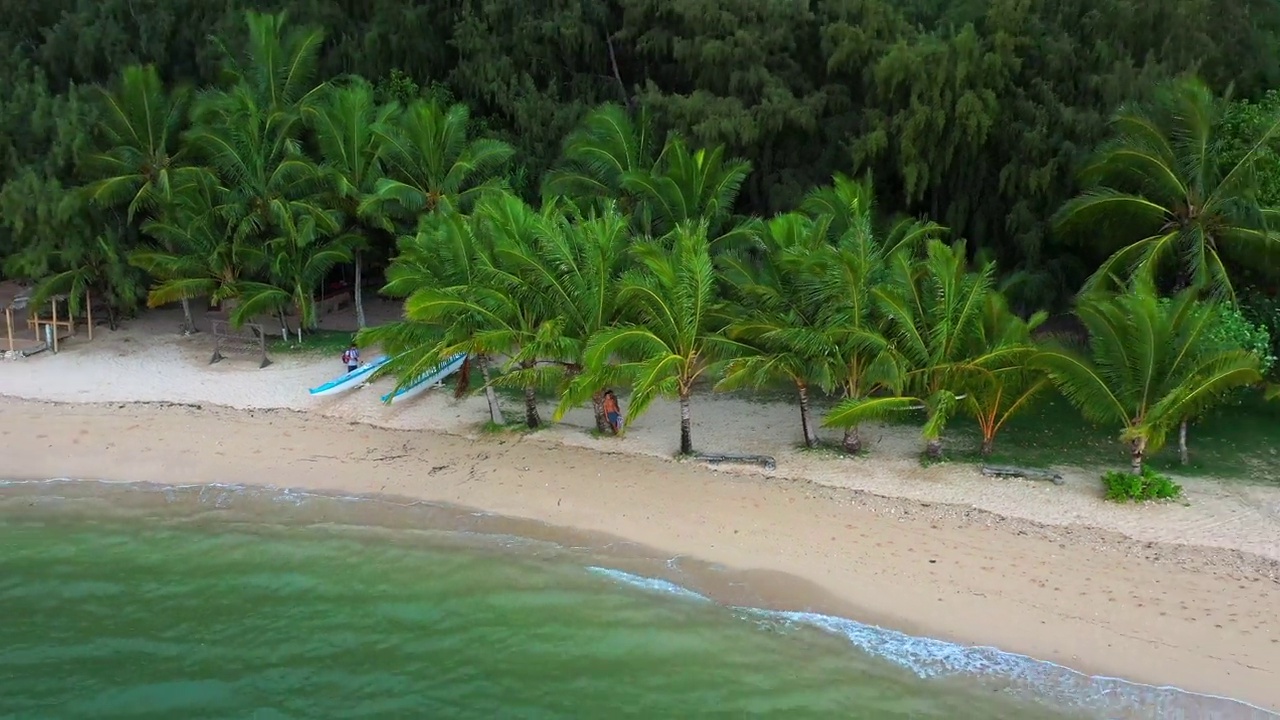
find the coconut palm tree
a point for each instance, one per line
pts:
(1164, 197)
(1003, 384)
(613, 156)
(298, 257)
(195, 254)
(431, 162)
(606, 148)
(777, 314)
(436, 272)
(671, 335)
(854, 262)
(343, 119)
(1148, 365)
(934, 313)
(141, 132)
(278, 69)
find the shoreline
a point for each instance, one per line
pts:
(1194, 618)
(763, 596)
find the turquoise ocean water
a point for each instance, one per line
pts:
(141, 602)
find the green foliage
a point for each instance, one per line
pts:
(1149, 365)
(1232, 329)
(1164, 200)
(1148, 485)
(1263, 312)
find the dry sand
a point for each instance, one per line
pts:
(1174, 594)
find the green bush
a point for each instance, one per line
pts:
(1150, 485)
(1263, 312)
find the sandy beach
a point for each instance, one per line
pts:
(1178, 594)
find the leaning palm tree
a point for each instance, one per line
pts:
(1163, 195)
(1148, 365)
(435, 272)
(777, 311)
(672, 334)
(431, 162)
(934, 313)
(343, 119)
(141, 161)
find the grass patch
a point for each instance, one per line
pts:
(1236, 442)
(319, 342)
(513, 426)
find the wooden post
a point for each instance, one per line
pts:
(88, 311)
(54, 304)
(8, 325)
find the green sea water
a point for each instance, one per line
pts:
(193, 603)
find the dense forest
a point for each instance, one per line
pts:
(1003, 155)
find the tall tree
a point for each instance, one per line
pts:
(140, 161)
(1163, 191)
(777, 312)
(432, 162)
(671, 335)
(934, 313)
(343, 120)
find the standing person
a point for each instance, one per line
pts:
(351, 358)
(612, 411)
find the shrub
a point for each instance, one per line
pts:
(1263, 312)
(1150, 485)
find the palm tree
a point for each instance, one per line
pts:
(298, 260)
(1148, 364)
(279, 67)
(612, 156)
(690, 186)
(672, 333)
(141, 133)
(853, 263)
(431, 162)
(608, 147)
(1004, 384)
(1162, 191)
(934, 314)
(435, 269)
(777, 314)
(196, 254)
(343, 120)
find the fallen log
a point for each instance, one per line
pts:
(764, 461)
(1019, 472)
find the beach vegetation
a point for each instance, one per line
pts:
(665, 202)
(1148, 366)
(1121, 486)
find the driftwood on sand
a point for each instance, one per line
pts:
(1020, 472)
(764, 461)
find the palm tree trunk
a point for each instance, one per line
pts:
(358, 293)
(1183, 455)
(686, 424)
(495, 412)
(189, 323)
(531, 417)
(852, 442)
(988, 445)
(597, 406)
(1137, 453)
(806, 417)
(933, 448)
